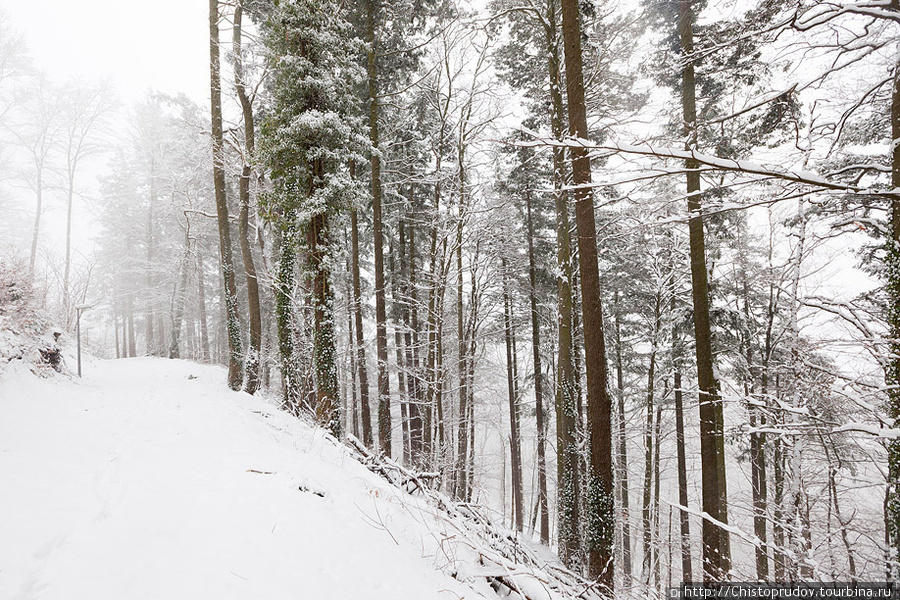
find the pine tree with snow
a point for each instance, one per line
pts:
(309, 135)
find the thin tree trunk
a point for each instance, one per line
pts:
(411, 322)
(684, 517)
(646, 508)
(622, 451)
(716, 550)
(601, 524)
(180, 298)
(461, 481)
(39, 193)
(361, 365)
(399, 304)
(384, 390)
(235, 359)
(253, 352)
(538, 380)
(514, 442)
(201, 306)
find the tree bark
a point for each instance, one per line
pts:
(324, 351)
(384, 391)
(568, 484)
(623, 451)
(684, 517)
(716, 551)
(538, 379)
(514, 442)
(892, 502)
(361, 363)
(253, 352)
(601, 524)
(235, 359)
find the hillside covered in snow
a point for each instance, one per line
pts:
(150, 479)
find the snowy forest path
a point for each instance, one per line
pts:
(150, 479)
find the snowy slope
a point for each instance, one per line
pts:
(149, 479)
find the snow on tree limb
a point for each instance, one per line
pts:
(709, 160)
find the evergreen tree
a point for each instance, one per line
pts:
(309, 135)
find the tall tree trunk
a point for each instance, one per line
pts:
(646, 508)
(384, 390)
(538, 379)
(398, 293)
(361, 365)
(354, 409)
(716, 550)
(568, 484)
(514, 441)
(757, 452)
(892, 502)
(684, 517)
(461, 480)
(413, 384)
(253, 352)
(601, 524)
(622, 455)
(233, 324)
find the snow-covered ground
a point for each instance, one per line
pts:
(150, 479)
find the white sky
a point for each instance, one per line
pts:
(137, 45)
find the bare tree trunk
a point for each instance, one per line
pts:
(601, 524)
(253, 353)
(461, 480)
(622, 451)
(361, 366)
(514, 442)
(39, 194)
(400, 308)
(201, 307)
(150, 293)
(646, 508)
(384, 390)
(180, 297)
(716, 550)
(235, 359)
(411, 322)
(684, 517)
(538, 380)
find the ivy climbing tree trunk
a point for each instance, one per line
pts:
(233, 324)
(324, 349)
(892, 502)
(567, 472)
(601, 524)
